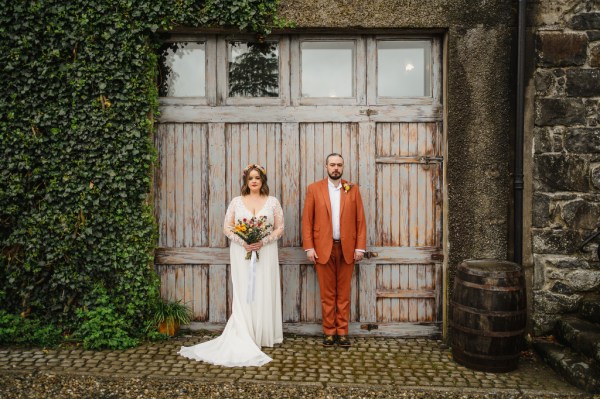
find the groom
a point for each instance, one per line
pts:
(334, 236)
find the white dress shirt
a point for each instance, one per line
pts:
(334, 198)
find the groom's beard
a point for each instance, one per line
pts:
(335, 176)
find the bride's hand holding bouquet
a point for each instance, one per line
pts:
(252, 231)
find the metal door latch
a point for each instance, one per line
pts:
(368, 112)
(426, 160)
(370, 254)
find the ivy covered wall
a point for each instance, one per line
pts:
(77, 102)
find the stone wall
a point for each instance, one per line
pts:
(565, 202)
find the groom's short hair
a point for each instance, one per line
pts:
(333, 154)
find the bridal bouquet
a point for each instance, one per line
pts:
(252, 230)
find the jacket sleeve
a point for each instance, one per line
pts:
(361, 223)
(308, 215)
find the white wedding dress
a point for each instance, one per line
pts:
(255, 319)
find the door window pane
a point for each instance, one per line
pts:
(403, 68)
(327, 69)
(182, 70)
(253, 69)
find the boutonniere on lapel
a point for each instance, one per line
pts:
(346, 187)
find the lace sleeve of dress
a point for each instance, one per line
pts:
(230, 222)
(278, 224)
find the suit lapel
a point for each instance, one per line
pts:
(325, 193)
(343, 197)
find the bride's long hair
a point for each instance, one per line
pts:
(264, 188)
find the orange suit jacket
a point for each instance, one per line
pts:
(317, 229)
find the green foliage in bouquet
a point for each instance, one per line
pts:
(252, 230)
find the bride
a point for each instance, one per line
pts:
(255, 319)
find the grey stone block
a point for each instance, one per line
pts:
(596, 176)
(583, 82)
(577, 280)
(578, 370)
(561, 288)
(548, 139)
(595, 55)
(567, 262)
(583, 140)
(580, 335)
(546, 241)
(550, 303)
(586, 21)
(593, 35)
(546, 267)
(561, 49)
(557, 172)
(590, 308)
(556, 111)
(580, 214)
(541, 212)
(539, 271)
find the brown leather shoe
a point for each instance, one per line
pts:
(329, 340)
(344, 341)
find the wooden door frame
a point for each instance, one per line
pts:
(366, 116)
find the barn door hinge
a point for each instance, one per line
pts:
(437, 257)
(369, 326)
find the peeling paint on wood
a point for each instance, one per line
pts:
(203, 148)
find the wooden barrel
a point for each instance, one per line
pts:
(488, 314)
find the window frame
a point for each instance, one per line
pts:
(365, 71)
(373, 97)
(209, 70)
(359, 80)
(222, 76)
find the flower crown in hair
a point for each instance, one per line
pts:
(254, 166)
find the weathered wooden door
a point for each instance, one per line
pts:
(391, 140)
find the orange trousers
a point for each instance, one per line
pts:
(335, 278)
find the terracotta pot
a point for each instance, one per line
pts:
(168, 327)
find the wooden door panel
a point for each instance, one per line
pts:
(199, 172)
(188, 283)
(181, 185)
(408, 168)
(392, 150)
(253, 143)
(406, 189)
(407, 293)
(406, 205)
(317, 140)
(310, 304)
(291, 290)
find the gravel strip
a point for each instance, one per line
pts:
(39, 385)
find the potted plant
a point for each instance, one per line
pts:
(169, 315)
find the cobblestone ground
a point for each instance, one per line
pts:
(301, 367)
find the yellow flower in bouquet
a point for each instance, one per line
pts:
(252, 230)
